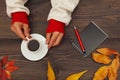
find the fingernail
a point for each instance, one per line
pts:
(49, 47)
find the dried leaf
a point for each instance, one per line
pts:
(0, 64)
(6, 68)
(76, 76)
(11, 69)
(3, 77)
(0, 73)
(107, 51)
(113, 68)
(10, 63)
(101, 73)
(100, 58)
(8, 74)
(50, 73)
(4, 60)
(0, 70)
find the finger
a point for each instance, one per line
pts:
(12, 28)
(19, 32)
(48, 35)
(26, 30)
(58, 40)
(53, 39)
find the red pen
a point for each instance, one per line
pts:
(79, 40)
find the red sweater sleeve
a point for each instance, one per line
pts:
(54, 25)
(20, 17)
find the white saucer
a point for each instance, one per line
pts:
(39, 53)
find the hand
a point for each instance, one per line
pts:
(21, 29)
(54, 38)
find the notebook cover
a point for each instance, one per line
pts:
(92, 36)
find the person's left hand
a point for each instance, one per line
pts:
(54, 38)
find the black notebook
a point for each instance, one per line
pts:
(92, 36)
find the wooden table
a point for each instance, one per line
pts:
(65, 59)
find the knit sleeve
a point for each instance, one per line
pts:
(62, 9)
(16, 6)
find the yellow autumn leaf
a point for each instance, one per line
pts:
(50, 73)
(106, 51)
(113, 68)
(101, 73)
(76, 76)
(100, 58)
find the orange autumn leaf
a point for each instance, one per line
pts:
(101, 73)
(113, 68)
(76, 76)
(11, 69)
(7, 68)
(10, 66)
(10, 63)
(106, 51)
(50, 73)
(8, 74)
(100, 58)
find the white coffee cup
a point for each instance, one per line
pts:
(37, 53)
(33, 45)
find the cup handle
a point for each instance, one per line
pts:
(27, 38)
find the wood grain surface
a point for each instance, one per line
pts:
(64, 58)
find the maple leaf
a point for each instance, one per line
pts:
(6, 68)
(4, 60)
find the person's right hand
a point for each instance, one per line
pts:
(21, 29)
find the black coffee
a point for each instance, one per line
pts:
(33, 45)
